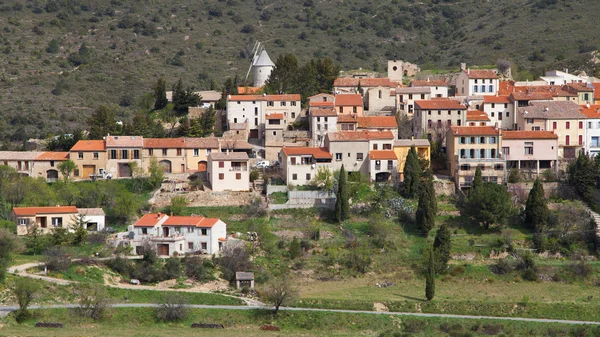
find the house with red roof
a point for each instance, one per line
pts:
(46, 218)
(435, 116)
(121, 152)
(378, 123)
(89, 157)
(322, 121)
(178, 235)
(592, 130)
(349, 104)
(438, 86)
(169, 152)
(477, 82)
(301, 164)
(531, 152)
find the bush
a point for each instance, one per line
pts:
(198, 268)
(57, 260)
(502, 267)
(232, 260)
(514, 176)
(413, 325)
(172, 268)
(173, 308)
(93, 301)
(254, 174)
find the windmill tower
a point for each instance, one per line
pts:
(262, 66)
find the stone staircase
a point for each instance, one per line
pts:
(596, 218)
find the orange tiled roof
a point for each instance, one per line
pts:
(274, 116)
(327, 112)
(428, 83)
(285, 97)
(474, 130)
(320, 104)
(496, 99)
(382, 155)
(194, 221)
(596, 86)
(533, 96)
(317, 152)
(377, 122)
(347, 119)
(593, 111)
(248, 90)
(124, 141)
(578, 87)
(528, 135)
(32, 211)
(89, 145)
(364, 82)
(477, 115)
(149, 220)
(348, 100)
(350, 136)
(164, 143)
(480, 73)
(505, 87)
(202, 143)
(53, 156)
(440, 104)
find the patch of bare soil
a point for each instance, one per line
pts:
(288, 234)
(206, 198)
(282, 216)
(464, 256)
(326, 235)
(378, 306)
(238, 217)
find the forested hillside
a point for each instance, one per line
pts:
(61, 59)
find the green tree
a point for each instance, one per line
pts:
(203, 125)
(582, 175)
(156, 172)
(425, 215)
(160, 94)
(283, 78)
(342, 204)
(359, 89)
(81, 232)
(102, 122)
(323, 179)
(430, 277)
(25, 291)
(66, 168)
(536, 209)
(514, 176)
(178, 204)
(489, 204)
(442, 246)
(295, 248)
(9, 244)
(183, 98)
(478, 180)
(412, 174)
(53, 47)
(142, 124)
(278, 291)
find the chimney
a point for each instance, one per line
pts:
(171, 213)
(158, 215)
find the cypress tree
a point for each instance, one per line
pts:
(412, 174)
(478, 180)
(442, 245)
(430, 278)
(342, 205)
(536, 209)
(160, 93)
(426, 209)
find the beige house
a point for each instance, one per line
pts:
(532, 152)
(169, 152)
(274, 128)
(476, 82)
(228, 171)
(380, 100)
(436, 116)
(349, 104)
(471, 146)
(351, 148)
(45, 218)
(406, 97)
(197, 151)
(122, 151)
(89, 157)
(300, 164)
(500, 110)
(35, 164)
(322, 121)
(439, 86)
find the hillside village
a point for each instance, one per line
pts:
(357, 197)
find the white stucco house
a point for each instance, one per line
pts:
(477, 82)
(93, 217)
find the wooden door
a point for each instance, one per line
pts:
(88, 170)
(163, 249)
(202, 166)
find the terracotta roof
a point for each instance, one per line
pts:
(320, 104)
(534, 96)
(164, 143)
(411, 142)
(347, 119)
(274, 116)
(91, 211)
(349, 136)
(377, 122)
(578, 87)
(53, 156)
(474, 130)
(382, 155)
(248, 90)
(19, 155)
(528, 135)
(540, 92)
(209, 95)
(505, 87)
(323, 112)
(317, 152)
(414, 90)
(552, 110)
(124, 141)
(202, 143)
(364, 82)
(32, 211)
(348, 100)
(480, 73)
(194, 221)
(89, 145)
(150, 220)
(320, 96)
(285, 97)
(235, 144)
(593, 111)
(596, 86)
(439, 104)
(231, 156)
(496, 99)
(428, 83)
(477, 115)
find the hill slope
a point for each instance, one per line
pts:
(50, 86)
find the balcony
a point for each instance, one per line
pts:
(171, 238)
(238, 168)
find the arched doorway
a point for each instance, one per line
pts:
(202, 166)
(382, 177)
(166, 165)
(51, 175)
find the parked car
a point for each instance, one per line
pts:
(262, 164)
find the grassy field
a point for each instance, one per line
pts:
(141, 322)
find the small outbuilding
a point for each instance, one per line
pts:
(244, 279)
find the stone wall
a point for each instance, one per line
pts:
(521, 190)
(443, 187)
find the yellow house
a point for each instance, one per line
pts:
(197, 151)
(168, 151)
(45, 218)
(402, 146)
(89, 157)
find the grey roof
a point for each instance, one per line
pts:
(91, 211)
(19, 155)
(228, 156)
(244, 276)
(209, 95)
(263, 60)
(552, 110)
(411, 142)
(413, 90)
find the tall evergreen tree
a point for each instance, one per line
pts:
(430, 277)
(477, 180)
(442, 246)
(359, 89)
(184, 98)
(283, 78)
(412, 174)
(489, 204)
(582, 175)
(342, 205)
(102, 122)
(536, 209)
(426, 209)
(160, 94)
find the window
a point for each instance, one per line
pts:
(293, 115)
(359, 156)
(274, 133)
(124, 154)
(567, 140)
(475, 81)
(190, 229)
(293, 160)
(208, 151)
(76, 172)
(590, 125)
(499, 116)
(190, 245)
(387, 146)
(221, 164)
(80, 155)
(595, 141)
(493, 106)
(221, 176)
(499, 167)
(308, 176)
(580, 140)
(458, 122)
(203, 245)
(529, 148)
(204, 232)
(282, 104)
(113, 154)
(506, 150)
(144, 231)
(325, 127)
(196, 152)
(491, 88)
(150, 152)
(338, 156)
(567, 125)
(529, 120)
(465, 167)
(409, 96)
(294, 176)
(96, 155)
(164, 152)
(492, 114)
(439, 112)
(554, 125)
(318, 126)
(179, 152)
(581, 125)
(482, 140)
(462, 140)
(390, 165)
(270, 103)
(429, 112)
(429, 123)
(483, 88)
(238, 176)
(136, 154)
(374, 146)
(22, 222)
(492, 140)
(586, 97)
(293, 103)
(57, 222)
(463, 153)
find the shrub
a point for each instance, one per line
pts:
(514, 176)
(172, 268)
(173, 308)
(254, 174)
(57, 260)
(197, 268)
(232, 260)
(93, 301)
(413, 325)
(503, 266)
